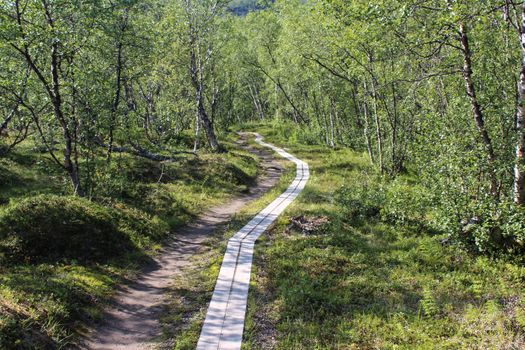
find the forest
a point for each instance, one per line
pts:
(123, 121)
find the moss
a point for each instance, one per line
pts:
(51, 228)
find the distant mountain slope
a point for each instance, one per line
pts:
(242, 7)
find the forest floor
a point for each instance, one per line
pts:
(373, 273)
(47, 300)
(355, 264)
(132, 321)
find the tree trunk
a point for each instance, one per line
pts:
(519, 167)
(367, 133)
(198, 83)
(116, 101)
(56, 100)
(256, 101)
(333, 117)
(476, 109)
(197, 132)
(208, 129)
(118, 82)
(379, 134)
(397, 166)
(364, 111)
(53, 90)
(57, 109)
(5, 123)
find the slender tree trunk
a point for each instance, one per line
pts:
(379, 134)
(317, 114)
(519, 168)
(116, 101)
(476, 109)
(52, 89)
(202, 119)
(118, 90)
(396, 165)
(367, 132)
(325, 126)
(364, 111)
(208, 129)
(198, 83)
(258, 103)
(5, 123)
(197, 131)
(68, 140)
(56, 100)
(333, 116)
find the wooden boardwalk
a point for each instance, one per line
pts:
(224, 324)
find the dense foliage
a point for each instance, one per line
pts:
(118, 112)
(426, 87)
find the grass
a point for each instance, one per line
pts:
(375, 277)
(48, 298)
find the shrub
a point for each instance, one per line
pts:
(53, 228)
(405, 204)
(500, 227)
(364, 201)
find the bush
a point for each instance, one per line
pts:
(395, 202)
(53, 228)
(406, 204)
(496, 228)
(364, 201)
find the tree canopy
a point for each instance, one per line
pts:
(429, 87)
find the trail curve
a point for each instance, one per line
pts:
(224, 324)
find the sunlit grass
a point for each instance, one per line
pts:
(374, 282)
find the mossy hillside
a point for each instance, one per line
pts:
(51, 228)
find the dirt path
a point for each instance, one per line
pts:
(132, 321)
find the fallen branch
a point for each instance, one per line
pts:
(307, 225)
(137, 150)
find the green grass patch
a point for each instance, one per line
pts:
(378, 276)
